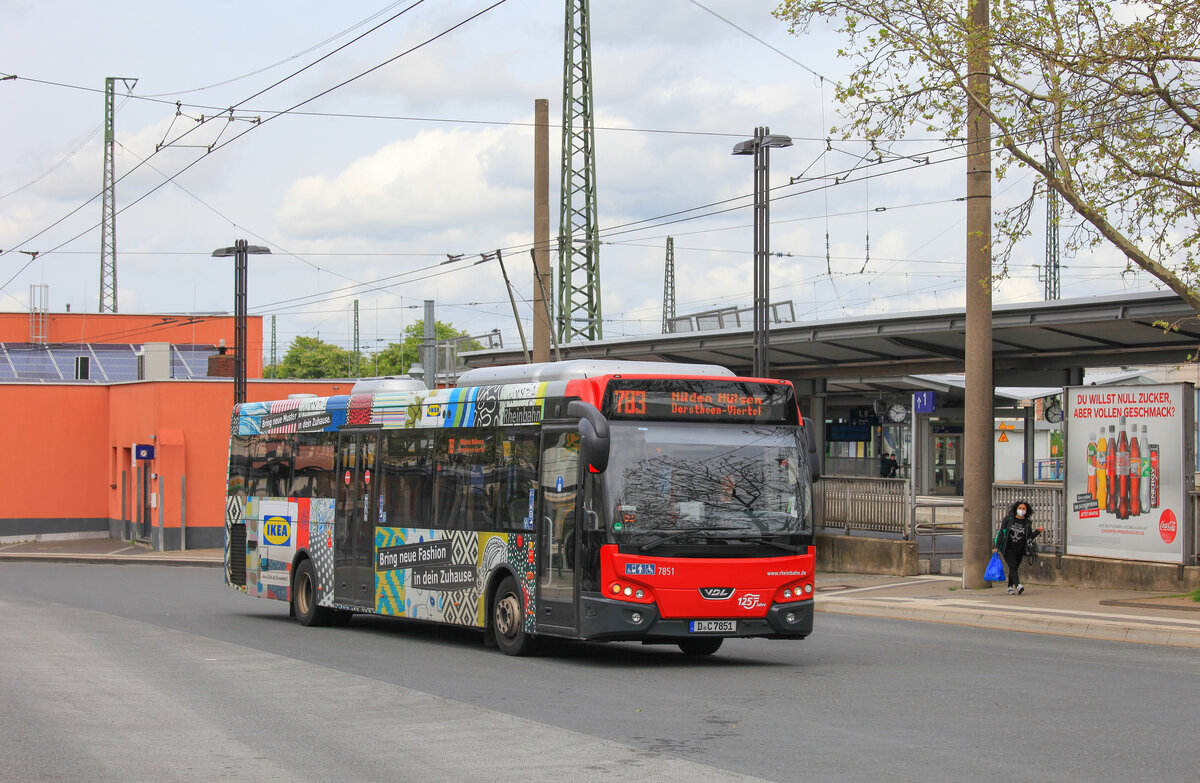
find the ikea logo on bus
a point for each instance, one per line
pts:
(277, 531)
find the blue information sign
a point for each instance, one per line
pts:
(143, 451)
(923, 402)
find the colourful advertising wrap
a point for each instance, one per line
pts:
(1130, 469)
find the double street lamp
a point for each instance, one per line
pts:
(240, 251)
(760, 147)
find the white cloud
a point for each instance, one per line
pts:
(433, 186)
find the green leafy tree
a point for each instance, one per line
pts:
(396, 358)
(1101, 99)
(311, 357)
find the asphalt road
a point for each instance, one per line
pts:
(144, 673)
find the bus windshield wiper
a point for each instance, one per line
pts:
(671, 534)
(761, 538)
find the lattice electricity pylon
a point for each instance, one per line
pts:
(1051, 276)
(669, 288)
(579, 312)
(356, 357)
(108, 202)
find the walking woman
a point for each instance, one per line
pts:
(1016, 530)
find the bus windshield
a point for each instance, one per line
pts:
(701, 482)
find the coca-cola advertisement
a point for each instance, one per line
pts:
(1130, 465)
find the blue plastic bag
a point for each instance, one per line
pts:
(995, 569)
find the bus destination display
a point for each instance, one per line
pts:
(693, 400)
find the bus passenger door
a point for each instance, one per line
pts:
(557, 521)
(354, 521)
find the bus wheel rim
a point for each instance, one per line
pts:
(304, 594)
(507, 611)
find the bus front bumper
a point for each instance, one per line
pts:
(603, 619)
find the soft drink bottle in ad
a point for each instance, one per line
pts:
(1102, 470)
(1145, 500)
(1155, 487)
(1114, 489)
(1091, 465)
(1135, 474)
(1123, 473)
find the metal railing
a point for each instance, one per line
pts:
(857, 503)
(884, 506)
(1048, 511)
(880, 505)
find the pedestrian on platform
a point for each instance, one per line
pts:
(1016, 530)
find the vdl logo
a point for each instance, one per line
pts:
(277, 531)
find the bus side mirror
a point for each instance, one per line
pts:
(814, 456)
(593, 435)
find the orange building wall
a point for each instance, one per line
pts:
(49, 468)
(70, 444)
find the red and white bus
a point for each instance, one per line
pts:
(590, 500)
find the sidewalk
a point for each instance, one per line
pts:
(1111, 615)
(106, 550)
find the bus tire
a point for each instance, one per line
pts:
(304, 597)
(704, 646)
(508, 619)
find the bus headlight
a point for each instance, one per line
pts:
(795, 592)
(626, 592)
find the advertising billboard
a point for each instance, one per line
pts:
(1129, 470)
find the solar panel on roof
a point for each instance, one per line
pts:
(108, 361)
(34, 363)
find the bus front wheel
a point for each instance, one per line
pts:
(700, 646)
(508, 619)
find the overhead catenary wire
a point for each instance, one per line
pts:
(238, 136)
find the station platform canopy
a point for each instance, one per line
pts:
(1033, 343)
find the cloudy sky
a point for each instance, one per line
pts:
(363, 164)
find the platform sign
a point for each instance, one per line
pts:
(1130, 460)
(924, 402)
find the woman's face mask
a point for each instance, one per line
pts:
(1021, 512)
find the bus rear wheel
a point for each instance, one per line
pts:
(304, 597)
(700, 646)
(508, 619)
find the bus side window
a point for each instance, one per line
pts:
(406, 485)
(516, 462)
(313, 473)
(464, 478)
(239, 465)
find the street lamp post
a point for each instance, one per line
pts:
(760, 147)
(240, 250)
